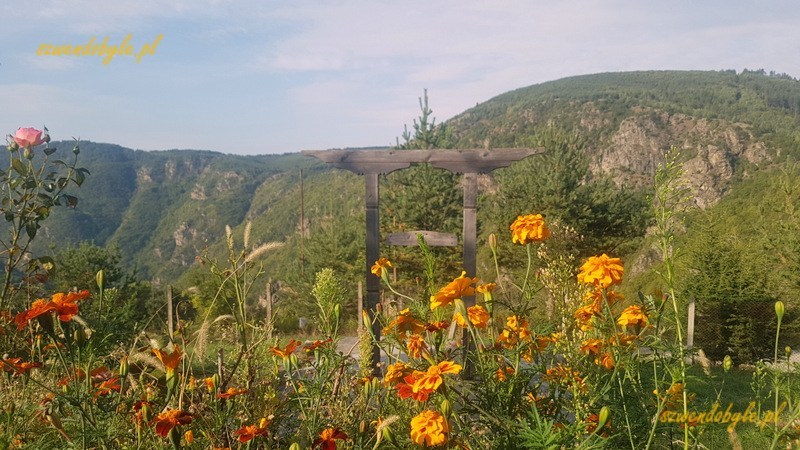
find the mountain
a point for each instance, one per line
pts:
(162, 209)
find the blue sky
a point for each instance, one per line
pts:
(256, 77)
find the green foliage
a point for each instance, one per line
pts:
(331, 297)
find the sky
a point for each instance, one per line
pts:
(260, 77)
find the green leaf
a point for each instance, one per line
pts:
(49, 150)
(19, 167)
(72, 201)
(31, 229)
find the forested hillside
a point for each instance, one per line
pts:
(605, 134)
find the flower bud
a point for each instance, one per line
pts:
(76, 150)
(12, 145)
(602, 418)
(362, 426)
(337, 312)
(788, 351)
(493, 242)
(45, 135)
(727, 363)
(28, 153)
(780, 309)
(101, 281)
(446, 408)
(79, 337)
(367, 390)
(123, 367)
(189, 436)
(294, 446)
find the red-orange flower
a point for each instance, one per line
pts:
(310, 348)
(327, 438)
(458, 288)
(170, 419)
(169, 360)
(601, 271)
(231, 392)
(529, 228)
(18, 366)
(416, 346)
(405, 323)
(250, 432)
(286, 351)
(106, 387)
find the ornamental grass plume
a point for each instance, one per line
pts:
(456, 289)
(601, 271)
(429, 428)
(529, 228)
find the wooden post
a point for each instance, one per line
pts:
(360, 305)
(269, 309)
(690, 325)
(170, 314)
(372, 200)
(470, 229)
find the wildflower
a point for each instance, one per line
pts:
(632, 316)
(433, 327)
(597, 299)
(529, 228)
(566, 377)
(169, 360)
(107, 386)
(458, 288)
(416, 346)
(189, 436)
(485, 288)
(516, 330)
(210, 384)
(404, 324)
(429, 428)
(250, 432)
(381, 267)
(395, 373)
(432, 378)
(605, 360)
(592, 346)
(312, 347)
(592, 422)
(140, 411)
(477, 315)
(286, 351)
(327, 438)
(231, 392)
(584, 315)
(62, 303)
(170, 419)
(502, 373)
(673, 397)
(601, 271)
(18, 366)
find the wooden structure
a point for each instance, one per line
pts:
(371, 163)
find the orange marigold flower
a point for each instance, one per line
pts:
(429, 428)
(529, 228)
(502, 373)
(458, 288)
(632, 316)
(606, 360)
(601, 271)
(64, 303)
(169, 360)
(382, 265)
(432, 378)
(485, 288)
(516, 330)
(592, 346)
(405, 323)
(478, 315)
(584, 315)
(250, 432)
(170, 419)
(406, 388)
(396, 372)
(232, 392)
(210, 383)
(566, 377)
(596, 299)
(416, 345)
(286, 351)
(327, 438)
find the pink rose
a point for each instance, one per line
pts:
(28, 137)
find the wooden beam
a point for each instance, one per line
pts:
(432, 239)
(373, 235)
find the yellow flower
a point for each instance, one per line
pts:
(432, 379)
(395, 373)
(382, 265)
(458, 288)
(429, 428)
(632, 316)
(601, 271)
(529, 228)
(477, 315)
(592, 346)
(405, 324)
